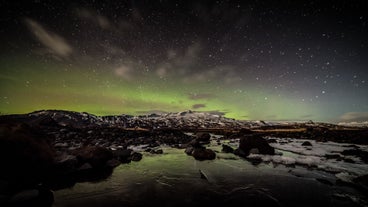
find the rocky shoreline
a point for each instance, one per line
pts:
(44, 154)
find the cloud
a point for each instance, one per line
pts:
(97, 19)
(354, 117)
(161, 72)
(124, 71)
(198, 96)
(197, 106)
(53, 42)
(180, 63)
(186, 65)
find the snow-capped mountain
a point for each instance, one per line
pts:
(184, 119)
(354, 124)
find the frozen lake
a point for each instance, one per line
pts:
(296, 176)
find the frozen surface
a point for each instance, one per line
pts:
(291, 152)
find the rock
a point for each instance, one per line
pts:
(227, 149)
(254, 143)
(154, 151)
(113, 163)
(357, 152)
(324, 181)
(40, 196)
(158, 151)
(61, 145)
(195, 143)
(23, 147)
(362, 181)
(307, 143)
(245, 131)
(203, 154)
(123, 155)
(96, 156)
(349, 160)
(85, 167)
(271, 140)
(254, 151)
(240, 152)
(136, 156)
(66, 163)
(332, 156)
(203, 137)
(189, 150)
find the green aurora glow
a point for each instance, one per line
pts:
(54, 86)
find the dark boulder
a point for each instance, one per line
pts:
(157, 151)
(195, 143)
(136, 156)
(271, 140)
(40, 196)
(245, 131)
(96, 156)
(66, 163)
(203, 137)
(113, 163)
(332, 156)
(307, 144)
(123, 155)
(23, 147)
(240, 153)
(154, 151)
(189, 150)
(203, 154)
(362, 182)
(255, 143)
(357, 152)
(227, 149)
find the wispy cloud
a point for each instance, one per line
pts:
(124, 71)
(180, 63)
(197, 106)
(97, 19)
(354, 117)
(56, 44)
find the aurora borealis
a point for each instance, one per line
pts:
(271, 60)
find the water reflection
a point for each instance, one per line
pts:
(174, 179)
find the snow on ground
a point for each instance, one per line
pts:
(291, 152)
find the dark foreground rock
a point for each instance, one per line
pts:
(26, 156)
(96, 156)
(227, 149)
(203, 137)
(362, 182)
(307, 144)
(203, 154)
(254, 144)
(198, 151)
(136, 156)
(363, 155)
(40, 197)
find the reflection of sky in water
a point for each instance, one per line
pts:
(174, 179)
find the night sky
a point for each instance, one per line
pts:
(268, 60)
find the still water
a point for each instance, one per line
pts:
(174, 179)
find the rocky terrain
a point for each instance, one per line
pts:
(53, 149)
